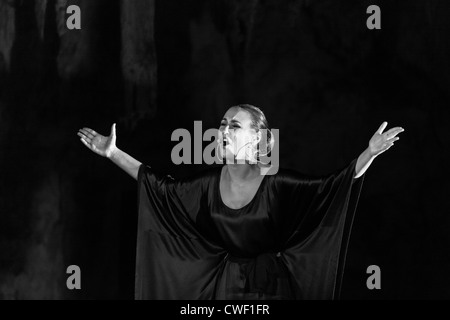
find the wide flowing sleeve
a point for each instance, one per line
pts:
(314, 226)
(173, 259)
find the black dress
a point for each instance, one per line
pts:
(289, 242)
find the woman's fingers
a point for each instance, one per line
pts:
(83, 136)
(387, 145)
(389, 137)
(91, 131)
(382, 127)
(90, 146)
(87, 133)
(393, 139)
(393, 132)
(85, 143)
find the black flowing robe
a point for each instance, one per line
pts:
(289, 242)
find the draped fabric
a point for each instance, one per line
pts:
(288, 242)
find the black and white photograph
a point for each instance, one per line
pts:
(226, 150)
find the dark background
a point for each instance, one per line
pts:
(152, 66)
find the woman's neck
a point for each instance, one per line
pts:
(240, 173)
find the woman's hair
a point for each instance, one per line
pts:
(259, 122)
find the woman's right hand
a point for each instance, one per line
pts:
(101, 145)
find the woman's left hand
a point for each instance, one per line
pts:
(380, 142)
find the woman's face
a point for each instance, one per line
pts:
(235, 129)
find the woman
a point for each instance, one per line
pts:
(231, 232)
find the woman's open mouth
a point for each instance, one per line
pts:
(226, 141)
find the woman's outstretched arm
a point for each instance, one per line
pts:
(126, 162)
(364, 161)
(106, 147)
(379, 143)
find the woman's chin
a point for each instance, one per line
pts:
(231, 158)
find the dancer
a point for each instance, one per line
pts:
(231, 232)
